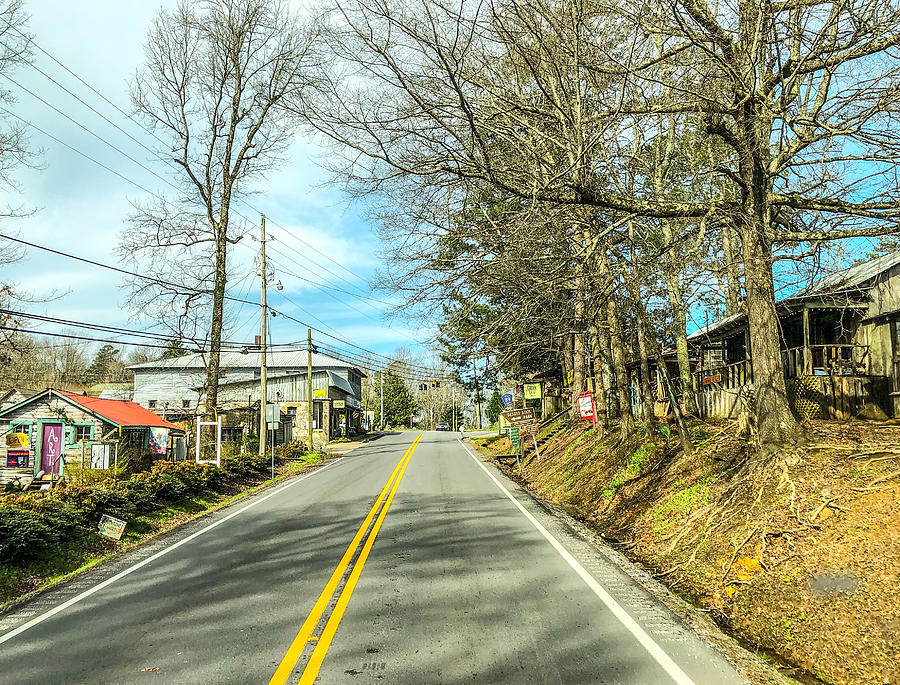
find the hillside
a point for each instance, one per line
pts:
(797, 554)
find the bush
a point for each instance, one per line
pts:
(23, 535)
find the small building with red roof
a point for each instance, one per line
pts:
(44, 431)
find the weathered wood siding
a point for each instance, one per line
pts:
(54, 410)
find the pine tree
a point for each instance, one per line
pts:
(399, 404)
(494, 407)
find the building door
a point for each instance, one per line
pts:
(51, 447)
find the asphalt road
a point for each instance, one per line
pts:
(401, 562)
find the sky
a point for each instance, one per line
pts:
(80, 207)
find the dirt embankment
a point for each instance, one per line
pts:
(797, 553)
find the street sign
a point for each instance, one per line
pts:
(514, 436)
(507, 400)
(532, 391)
(586, 405)
(273, 413)
(520, 417)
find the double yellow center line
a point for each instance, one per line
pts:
(306, 630)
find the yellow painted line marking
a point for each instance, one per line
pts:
(318, 656)
(299, 643)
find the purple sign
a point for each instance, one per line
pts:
(51, 447)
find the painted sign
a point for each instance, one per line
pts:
(159, 440)
(340, 404)
(709, 380)
(51, 447)
(320, 394)
(111, 527)
(507, 400)
(17, 440)
(520, 417)
(16, 458)
(532, 391)
(586, 406)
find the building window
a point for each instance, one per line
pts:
(185, 404)
(81, 431)
(151, 404)
(135, 437)
(232, 433)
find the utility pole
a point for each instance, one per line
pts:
(381, 415)
(263, 425)
(477, 391)
(309, 390)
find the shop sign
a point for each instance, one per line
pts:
(340, 404)
(532, 391)
(17, 440)
(709, 380)
(320, 393)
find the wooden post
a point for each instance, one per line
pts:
(807, 357)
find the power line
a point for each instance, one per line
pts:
(163, 142)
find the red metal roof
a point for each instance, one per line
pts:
(120, 412)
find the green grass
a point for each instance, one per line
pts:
(681, 502)
(632, 469)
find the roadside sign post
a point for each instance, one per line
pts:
(586, 407)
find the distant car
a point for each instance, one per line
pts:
(443, 426)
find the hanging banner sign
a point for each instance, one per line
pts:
(16, 458)
(507, 400)
(586, 406)
(17, 440)
(532, 391)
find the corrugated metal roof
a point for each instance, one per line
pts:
(277, 359)
(334, 380)
(849, 278)
(120, 412)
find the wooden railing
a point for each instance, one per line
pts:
(826, 360)
(728, 376)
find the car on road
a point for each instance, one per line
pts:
(443, 426)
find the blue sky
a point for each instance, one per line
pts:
(81, 207)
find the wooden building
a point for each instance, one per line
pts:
(840, 348)
(45, 431)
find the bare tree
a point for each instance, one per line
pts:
(540, 99)
(216, 76)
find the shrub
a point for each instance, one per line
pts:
(23, 535)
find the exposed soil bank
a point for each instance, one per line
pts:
(797, 553)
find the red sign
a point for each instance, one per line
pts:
(709, 380)
(586, 405)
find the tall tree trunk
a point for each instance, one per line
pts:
(648, 396)
(215, 330)
(601, 390)
(733, 298)
(681, 344)
(617, 348)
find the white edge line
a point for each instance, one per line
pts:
(121, 574)
(663, 659)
